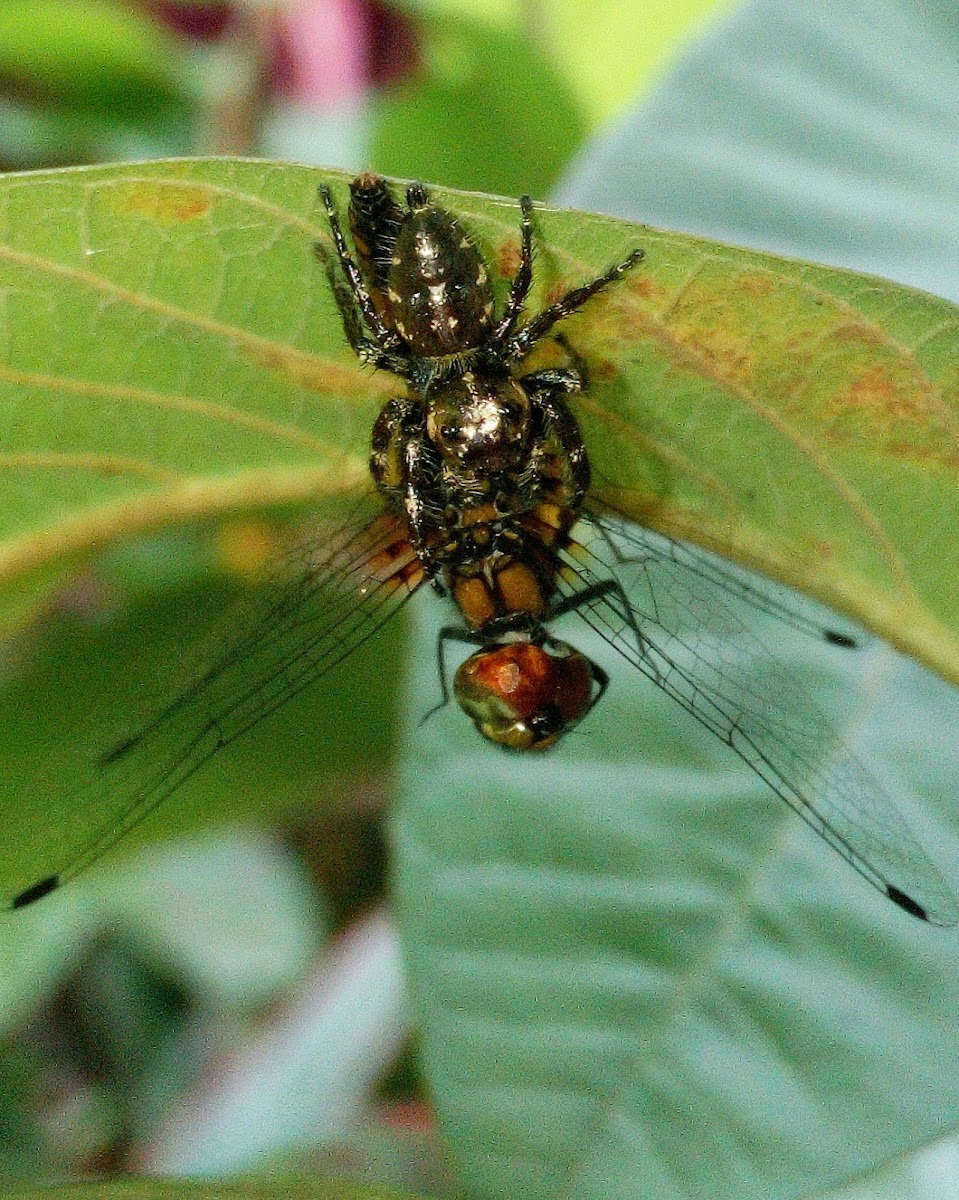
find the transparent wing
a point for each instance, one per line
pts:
(690, 632)
(801, 613)
(327, 597)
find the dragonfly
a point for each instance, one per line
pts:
(481, 489)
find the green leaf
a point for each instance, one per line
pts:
(94, 57)
(154, 1189)
(173, 353)
(638, 977)
(639, 974)
(156, 373)
(605, 50)
(517, 140)
(610, 51)
(173, 356)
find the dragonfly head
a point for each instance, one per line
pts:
(523, 695)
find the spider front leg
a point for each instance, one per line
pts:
(525, 339)
(353, 326)
(382, 348)
(523, 279)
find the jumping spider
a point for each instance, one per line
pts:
(485, 464)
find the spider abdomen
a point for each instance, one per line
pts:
(438, 294)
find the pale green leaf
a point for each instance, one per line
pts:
(639, 977)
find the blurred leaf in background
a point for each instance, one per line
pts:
(494, 97)
(86, 79)
(486, 111)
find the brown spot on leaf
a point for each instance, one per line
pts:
(875, 388)
(897, 411)
(724, 353)
(643, 286)
(755, 283)
(508, 258)
(164, 203)
(555, 292)
(856, 330)
(603, 370)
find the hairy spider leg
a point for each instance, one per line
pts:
(521, 342)
(418, 468)
(380, 350)
(546, 390)
(522, 281)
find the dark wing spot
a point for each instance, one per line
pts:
(835, 638)
(36, 891)
(906, 902)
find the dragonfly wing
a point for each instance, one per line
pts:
(694, 638)
(801, 613)
(327, 596)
